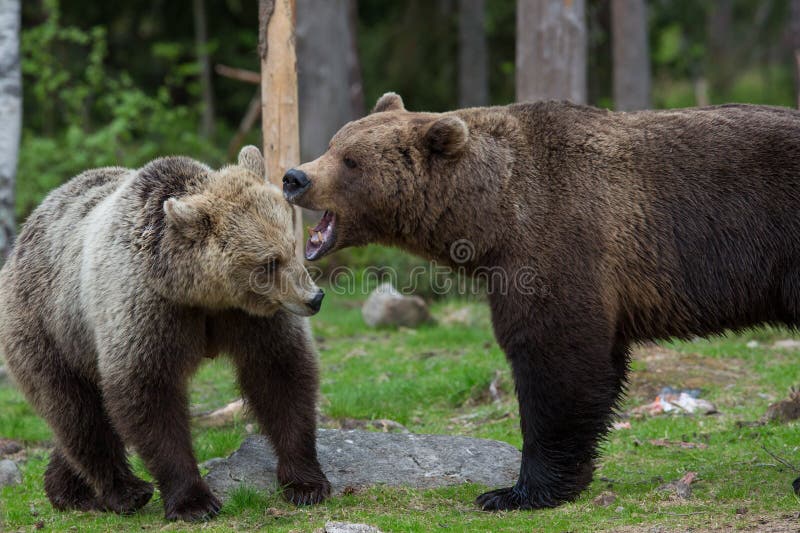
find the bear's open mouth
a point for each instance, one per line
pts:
(322, 237)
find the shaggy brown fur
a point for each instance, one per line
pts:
(119, 284)
(637, 226)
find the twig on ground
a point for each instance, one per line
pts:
(781, 460)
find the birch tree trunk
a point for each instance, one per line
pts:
(473, 78)
(201, 48)
(11, 113)
(325, 50)
(551, 50)
(631, 55)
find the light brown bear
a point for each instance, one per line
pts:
(120, 283)
(596, 229)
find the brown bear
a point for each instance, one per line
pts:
(626, 227)
(119, 284)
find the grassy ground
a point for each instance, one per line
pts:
(436, 380)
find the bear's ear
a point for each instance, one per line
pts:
(389, 102)
(187, 218)
(250, 158)
(447, 136)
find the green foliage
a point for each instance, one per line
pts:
(79, 116)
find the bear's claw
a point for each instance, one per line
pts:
(193, 505)
(506, 499)
(132, 496)
(308, 493)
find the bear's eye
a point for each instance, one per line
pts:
(271, 266)
(350, 163)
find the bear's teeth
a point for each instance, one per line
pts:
(319, 236)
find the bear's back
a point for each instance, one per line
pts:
(39, 281)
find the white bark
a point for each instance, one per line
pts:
(551, 50)
(325, 50)
(631, 55)
(473, 76)
(11, 117)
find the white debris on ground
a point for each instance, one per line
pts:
(345, 527)
(674, 401)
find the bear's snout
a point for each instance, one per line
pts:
(316, 301)
(295, 183)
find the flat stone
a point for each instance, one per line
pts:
(787, 344)
(9, 473)
(355, 460)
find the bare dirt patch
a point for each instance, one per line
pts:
(786, 523)
(669, 368)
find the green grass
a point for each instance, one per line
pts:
(435, 380)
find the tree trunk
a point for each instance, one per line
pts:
(794, 29)
(551, 50)
(473, 77)
(279, 113)
(201, 49)
(354, 63)
(11, 113)
(631, 55)
(721, 70)
(325, 49)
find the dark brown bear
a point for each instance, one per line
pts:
(120, 283)
(640, 226)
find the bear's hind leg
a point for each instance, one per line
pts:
(89, 450)
(65, 488)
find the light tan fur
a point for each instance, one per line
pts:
(119, 284)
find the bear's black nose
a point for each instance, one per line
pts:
(295, 183)
(316, 302)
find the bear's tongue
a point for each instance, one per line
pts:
(322, 237)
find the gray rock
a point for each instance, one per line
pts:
(345, 527)
(208, 465)
(355, 460)
(387, 307)
(9, 473)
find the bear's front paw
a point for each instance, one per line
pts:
(194, 504)
(510, 499)
(307, 493)
(129, 497)
(796, 486)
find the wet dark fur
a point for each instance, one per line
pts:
(638, 226)
(113, 371)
